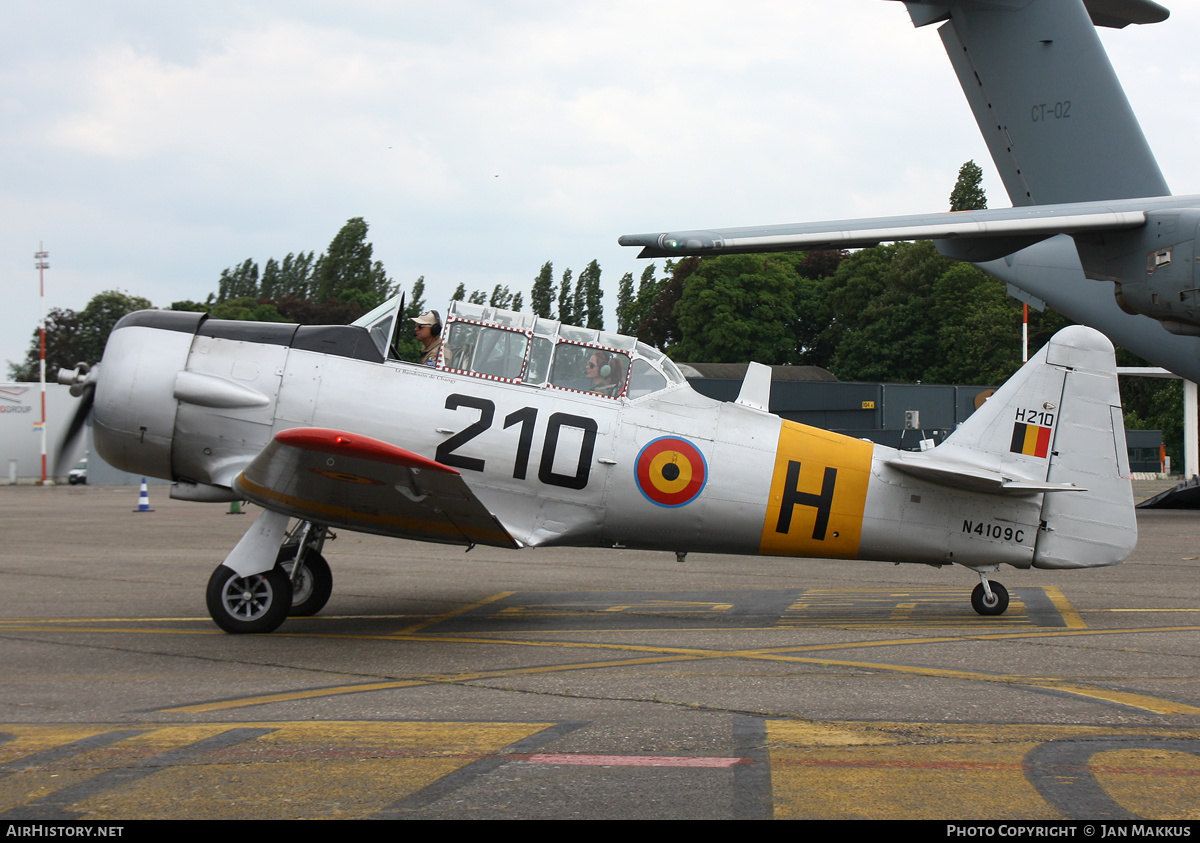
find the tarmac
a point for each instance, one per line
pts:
(583, 684)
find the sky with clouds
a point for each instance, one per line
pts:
(151, 145)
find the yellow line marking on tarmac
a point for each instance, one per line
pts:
(192, 619)
(1144, 610)
(408, 683)
(1065, 610)
(293, 769)
(417, 627)
(663, 655)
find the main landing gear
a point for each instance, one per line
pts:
(269, 575)
(300, 557)
(989, 598)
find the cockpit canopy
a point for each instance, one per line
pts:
(500, 345)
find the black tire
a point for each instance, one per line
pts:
(311, 592)
(999, 603)
(257, 603)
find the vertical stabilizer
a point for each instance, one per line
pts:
(1046, 98)
(1058, 420)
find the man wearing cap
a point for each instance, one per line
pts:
(428, 330)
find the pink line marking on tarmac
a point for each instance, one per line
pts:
(633, 760)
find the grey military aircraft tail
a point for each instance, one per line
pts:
(1048, 103)
(1093, 232)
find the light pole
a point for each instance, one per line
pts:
(43, 263)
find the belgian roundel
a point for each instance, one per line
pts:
(671, 471)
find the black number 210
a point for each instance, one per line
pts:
(526, 417)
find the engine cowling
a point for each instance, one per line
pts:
(1153, 269)
(134, 410)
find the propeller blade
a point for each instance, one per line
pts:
(83, 385)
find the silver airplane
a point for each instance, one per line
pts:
(1094, 231)
(532, 433)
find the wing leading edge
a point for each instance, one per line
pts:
(977, 235)
(344, 479)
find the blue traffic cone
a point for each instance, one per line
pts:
(144, 499)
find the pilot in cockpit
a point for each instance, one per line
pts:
(428, 331)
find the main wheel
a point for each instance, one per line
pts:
(998, 604)
(257, 603)
(310, 592)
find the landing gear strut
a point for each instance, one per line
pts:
(301, 560)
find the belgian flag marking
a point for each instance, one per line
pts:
(1030, 439)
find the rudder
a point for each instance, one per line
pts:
(1097, 527)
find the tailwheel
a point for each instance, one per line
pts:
(311, 585)
(995, 603)
(257, 603)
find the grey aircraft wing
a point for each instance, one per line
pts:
(983, 235)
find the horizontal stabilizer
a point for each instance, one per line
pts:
(973, 478)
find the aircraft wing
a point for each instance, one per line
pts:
(977, 235)
(344, 479)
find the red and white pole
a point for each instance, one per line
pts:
(43, 263)
(1024, 332)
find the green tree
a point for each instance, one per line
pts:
(405, 342)
(346, 272)
(626, 305)
(295, 276)
(647, 291)
(589, 297)
(968, 193)
(566, 312)
(978, 328)
(62, 348)
(247, 310)
(883, 300)
(77, 337)
(101, 315)
(541, 297)
(1154, 404)
(189, 306)
(239, 282)
(658, 325)
(269, 285)
(416, 299)
(738, 308)
(501, 297)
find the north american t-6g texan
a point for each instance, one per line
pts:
(1094, 231)
(530, 433)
